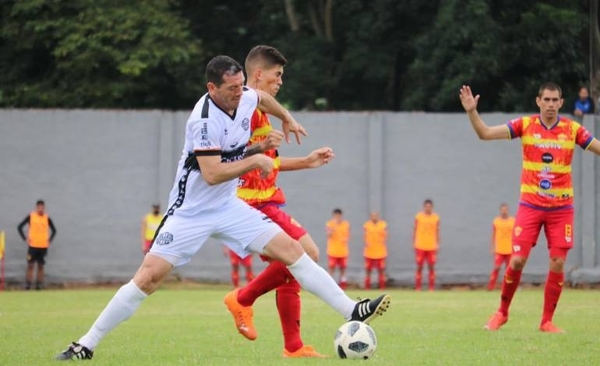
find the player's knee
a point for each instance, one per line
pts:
(517, 263)
(284, 249)
(557, 264)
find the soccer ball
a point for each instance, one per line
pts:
(355, 340)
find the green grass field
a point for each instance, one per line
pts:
(192, 327)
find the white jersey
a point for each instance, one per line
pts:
(210, 131)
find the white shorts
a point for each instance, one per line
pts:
(240, 227)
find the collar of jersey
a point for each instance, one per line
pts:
(222, 110)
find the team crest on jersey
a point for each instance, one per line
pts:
(562, 137)
(246, 124)
(164, 238)
(518, 230)
(537, 136)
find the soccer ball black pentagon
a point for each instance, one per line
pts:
(355, 340)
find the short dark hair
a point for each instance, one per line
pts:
(267, 55)
(40, 202)
(337, 211)
(219, 66)
(551, 87)
(503, 204)
(429, 200)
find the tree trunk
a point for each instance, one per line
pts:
(291, 15)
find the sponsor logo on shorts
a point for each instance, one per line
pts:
(516, 248)
(568, 233)
(164, 238)
(518, 230)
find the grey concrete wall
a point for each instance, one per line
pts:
(99, 172)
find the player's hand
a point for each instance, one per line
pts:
(290, 125)
(467, 100)
(265, 164)
(273, 140)
(319, 157)
(577, 112)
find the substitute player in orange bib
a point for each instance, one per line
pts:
(426, 240)
(548, 141)
(375, 252)
(338, 235)
(502, 228)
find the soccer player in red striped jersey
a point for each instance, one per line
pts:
(548, 141)
(264, 66)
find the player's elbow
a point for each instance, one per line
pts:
(210, 178)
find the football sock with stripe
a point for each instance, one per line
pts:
(510, 284)
(552, 291)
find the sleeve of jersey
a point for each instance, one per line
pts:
(515, 128)
(584, 138)
(206, 137)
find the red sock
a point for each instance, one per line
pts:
(381, 280)
(368, 282)
(343, 284)
(418, 280)
(235, 278)
(431, 279)
(554, 285)
(493, 279)
(288, 306)
(510, 284)
(275, 275)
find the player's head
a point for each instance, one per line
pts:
(225, 82)
(374, 216)
(584, 93)
(549, 100)
(40, 207)
(337, 214)
(264, 67)
(428, 206)
(504, 210)
(156, 208)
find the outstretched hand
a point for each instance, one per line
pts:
(290, 125)
(320, 157)
(467, 100)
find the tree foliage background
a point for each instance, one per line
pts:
(344, 55)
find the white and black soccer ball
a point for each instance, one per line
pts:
(355, 340)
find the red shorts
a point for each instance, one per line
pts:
(422, 256)
(285, 221)
(341, 262)
(147, 245)
(558, 228)
(378, 264)
(236, 260)
(501, 258)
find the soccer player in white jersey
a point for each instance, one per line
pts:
(203, 204)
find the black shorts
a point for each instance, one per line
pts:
(36, 255)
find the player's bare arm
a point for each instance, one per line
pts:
(315, 159)
(594, 147)
(273, 141)
(269, 105)
(215, 172)
(483, 131)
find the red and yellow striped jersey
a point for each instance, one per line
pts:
(547, 155)
(253, 188)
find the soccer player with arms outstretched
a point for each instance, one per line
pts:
(203, 204)
(548, 141)
(264, 67)
(502, 228)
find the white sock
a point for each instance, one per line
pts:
(315, 280)
(120, 308)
